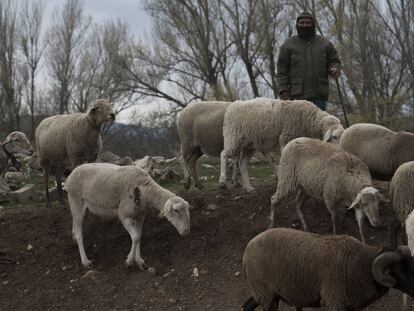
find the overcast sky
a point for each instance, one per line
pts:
(129, 11)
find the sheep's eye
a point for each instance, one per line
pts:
(176, 211)
(335, 137)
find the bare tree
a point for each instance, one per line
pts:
(8, 73)
(191, 47)
(401, 27)
(31, 15)
(241, 20)
(65, 38)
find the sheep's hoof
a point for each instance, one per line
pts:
(86, 263)
(222, 186)
(142, 266)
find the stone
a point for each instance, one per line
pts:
(109, 157)
(195, 273)
(14, 177)
(144, 163)
(169, 174)
(170, 160)
(124, 161)
(90, 274)
(24, 194)
(5, 190)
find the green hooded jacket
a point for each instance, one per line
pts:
(303, 66)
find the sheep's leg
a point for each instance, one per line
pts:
(331, 206)
(236, 171)
(46, 185)
(273, 304)
(273, 163)
(134, 228)
(360, 217)
(223, 169)
(277, 201)
(243, 164)
(287, 188)
(58, 175)
(193, 169)
(301, 199)
(409, 230)
(187, 176)
(77, 208)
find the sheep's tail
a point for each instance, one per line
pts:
(250, 304)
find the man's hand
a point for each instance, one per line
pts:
(284, 95)
(335, 72)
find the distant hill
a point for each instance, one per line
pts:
(137, 141)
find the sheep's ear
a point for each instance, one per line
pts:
(355, 202)
(137, 196)
(6, 141)
(166, 209)
(328, 135)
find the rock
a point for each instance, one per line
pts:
(151, 270)
(254, 160)
(4, 190)
(90, 274)
(33, 162)
(124, 161)
(158, 160)
(14, 177)
(237, 198)
(208, 166)
(203, 178)
(29, 247)
(237, 274)
(170, 160)
(195, 273)
(5, 282)
(144, 163)
(169, 174)
(24, 194)
(109, 157)
(212, 207)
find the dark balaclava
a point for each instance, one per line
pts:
(306, 32)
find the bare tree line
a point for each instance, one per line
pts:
(198, 50)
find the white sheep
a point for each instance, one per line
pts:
(402, 198)
(66, 141)
(267, 125)
(313, 168)
(311, 270)
(200, 128)
(126, 192)
(382, 149)
(15, 142)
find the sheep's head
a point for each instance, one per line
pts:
(332, 129)
(17, 142)
(100, 111)
(177, 211)
(395, 269)
(366, 204)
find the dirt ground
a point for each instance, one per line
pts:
(47, 275)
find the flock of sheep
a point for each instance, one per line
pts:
(322, 160)
(318, 159)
